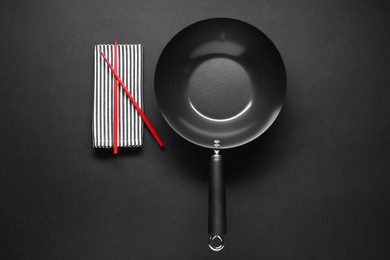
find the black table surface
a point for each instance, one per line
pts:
(315, 186)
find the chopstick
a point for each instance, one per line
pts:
(146, 121)
(115, 100)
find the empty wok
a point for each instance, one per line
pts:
(220, 83)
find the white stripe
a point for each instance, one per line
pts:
(106, 78)
(106, 85)
(94, 101)
(102, 72)
(139, 93)
(124, 100)
(121, 101)
(109, 98)
(117, 89)
(132, 90)
(136, 93)
(126, 103)
(108, 53)
(109, 86)
(98, 102)
(128, 82)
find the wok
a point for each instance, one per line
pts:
(220, 83)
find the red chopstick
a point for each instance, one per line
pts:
(146, 121)
(115, 101)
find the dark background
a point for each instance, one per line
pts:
(315, 186)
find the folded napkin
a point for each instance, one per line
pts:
(130, 70)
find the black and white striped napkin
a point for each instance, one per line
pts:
(130, 70)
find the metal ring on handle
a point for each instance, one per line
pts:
(216, 248)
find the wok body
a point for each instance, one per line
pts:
(220, 83)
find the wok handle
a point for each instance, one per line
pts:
(217, 204)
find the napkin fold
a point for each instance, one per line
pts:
(130, 70)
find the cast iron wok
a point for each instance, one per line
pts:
(220, 83)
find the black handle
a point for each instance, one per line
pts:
(217, 203)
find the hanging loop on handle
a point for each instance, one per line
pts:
(212, 241)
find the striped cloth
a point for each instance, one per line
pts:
(130, 70)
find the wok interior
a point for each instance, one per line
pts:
(220, 82)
